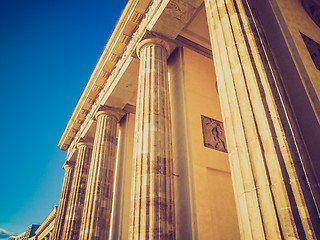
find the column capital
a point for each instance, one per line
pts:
(105, 110)
(68, 164)
(153, 41)
(85, 142)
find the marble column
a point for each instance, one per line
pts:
(95, 222)
(152, 205)
(78, 190)
(63, 202)
(273, 194)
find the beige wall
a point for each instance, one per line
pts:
(210, 194)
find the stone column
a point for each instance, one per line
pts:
(273, 195)
(63, 202)
(95, 222)
(76, 200)
(152, 206)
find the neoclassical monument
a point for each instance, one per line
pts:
(199, 121)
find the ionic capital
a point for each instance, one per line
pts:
(105, 110)
(153, 41)
(68, 164)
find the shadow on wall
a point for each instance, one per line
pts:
(312, 7)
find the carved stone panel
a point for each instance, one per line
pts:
(213, 134)
(314, 50)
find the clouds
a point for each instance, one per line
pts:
(4, 233)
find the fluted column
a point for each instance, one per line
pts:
(98, 198)
(78, 190)
(63, 202)
(273, 195)
(152, 206)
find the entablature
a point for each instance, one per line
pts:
(114, 80)
(127, 24)
(47, 221)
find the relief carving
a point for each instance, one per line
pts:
(174, 9)
(314, 50)
(213, 134)
(179, 10)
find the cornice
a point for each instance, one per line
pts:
(136, 21)
(47, 221)
(127, 24)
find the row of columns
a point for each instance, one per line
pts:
(85, 205)
(273, 195)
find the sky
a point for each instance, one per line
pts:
(48, 50)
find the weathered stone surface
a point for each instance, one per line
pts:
(95, 222)
(265, 161)
(78, 190)
(275, 192)
(63, 202)
(152, 210)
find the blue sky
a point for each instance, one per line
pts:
(48, 50)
